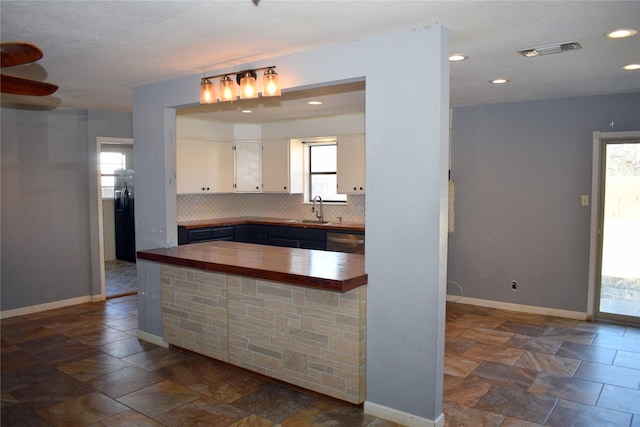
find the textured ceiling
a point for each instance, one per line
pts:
(97, 51)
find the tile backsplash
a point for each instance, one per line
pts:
(192, 207)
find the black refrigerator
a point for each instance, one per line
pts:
(124, 216)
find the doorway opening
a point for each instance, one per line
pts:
(617, 295)
(119, 278)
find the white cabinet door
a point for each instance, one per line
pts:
(219, 170)
(248, 156)
(282, 166)
(190, 166)
(351, 164)
(203, 166)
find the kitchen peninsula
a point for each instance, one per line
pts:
(292, 314)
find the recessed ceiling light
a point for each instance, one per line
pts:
(499, 81)
(621, 33)
(314, 102)
(458, 57)
(631, 67)
(247, 111)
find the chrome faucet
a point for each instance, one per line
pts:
(319, 213)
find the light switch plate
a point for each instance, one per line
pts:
(584, 200)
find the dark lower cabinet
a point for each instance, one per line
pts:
(204, 234)
(290, 237)
(259, 234)
(242, 233)
(246, 233)
(250, 233)
(287, 243)
(297, 237)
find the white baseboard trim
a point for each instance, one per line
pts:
(98, 298)
(153, 339)
(577, 315)
(22, 311)
(400, 417)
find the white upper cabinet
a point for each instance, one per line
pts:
(190, 167)
(204, 166)
(351, 164)
(220, 170)
(248, 160)
(282, 166)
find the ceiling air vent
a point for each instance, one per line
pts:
(550, 49)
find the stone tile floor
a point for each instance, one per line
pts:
(120, 278)
(84, 366)
(505, 368)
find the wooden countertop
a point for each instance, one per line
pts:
(334, 271)
(219, 222)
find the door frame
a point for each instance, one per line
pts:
(597, 213)
(98, 182)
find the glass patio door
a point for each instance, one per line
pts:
(619, 246)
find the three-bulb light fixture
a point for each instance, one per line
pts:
(247, 81)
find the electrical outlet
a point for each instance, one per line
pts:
(514, 285)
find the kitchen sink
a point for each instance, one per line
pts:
(307, 221)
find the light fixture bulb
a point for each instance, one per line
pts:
(621, 33)
(227, 89)
(270, 84)
(248, 89)
(207, 92)
(457, 57)
(499, 81)
(631, 67)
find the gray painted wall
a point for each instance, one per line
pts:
(47, 211)
(407, 156)
(519, 171)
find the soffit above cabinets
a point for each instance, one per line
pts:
(337, 100)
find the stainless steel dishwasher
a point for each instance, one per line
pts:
(345, 242)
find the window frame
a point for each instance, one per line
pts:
(123, 163)
(310, 174)
(108, 148)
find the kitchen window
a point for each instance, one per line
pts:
(109, 163)
(323, 173)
